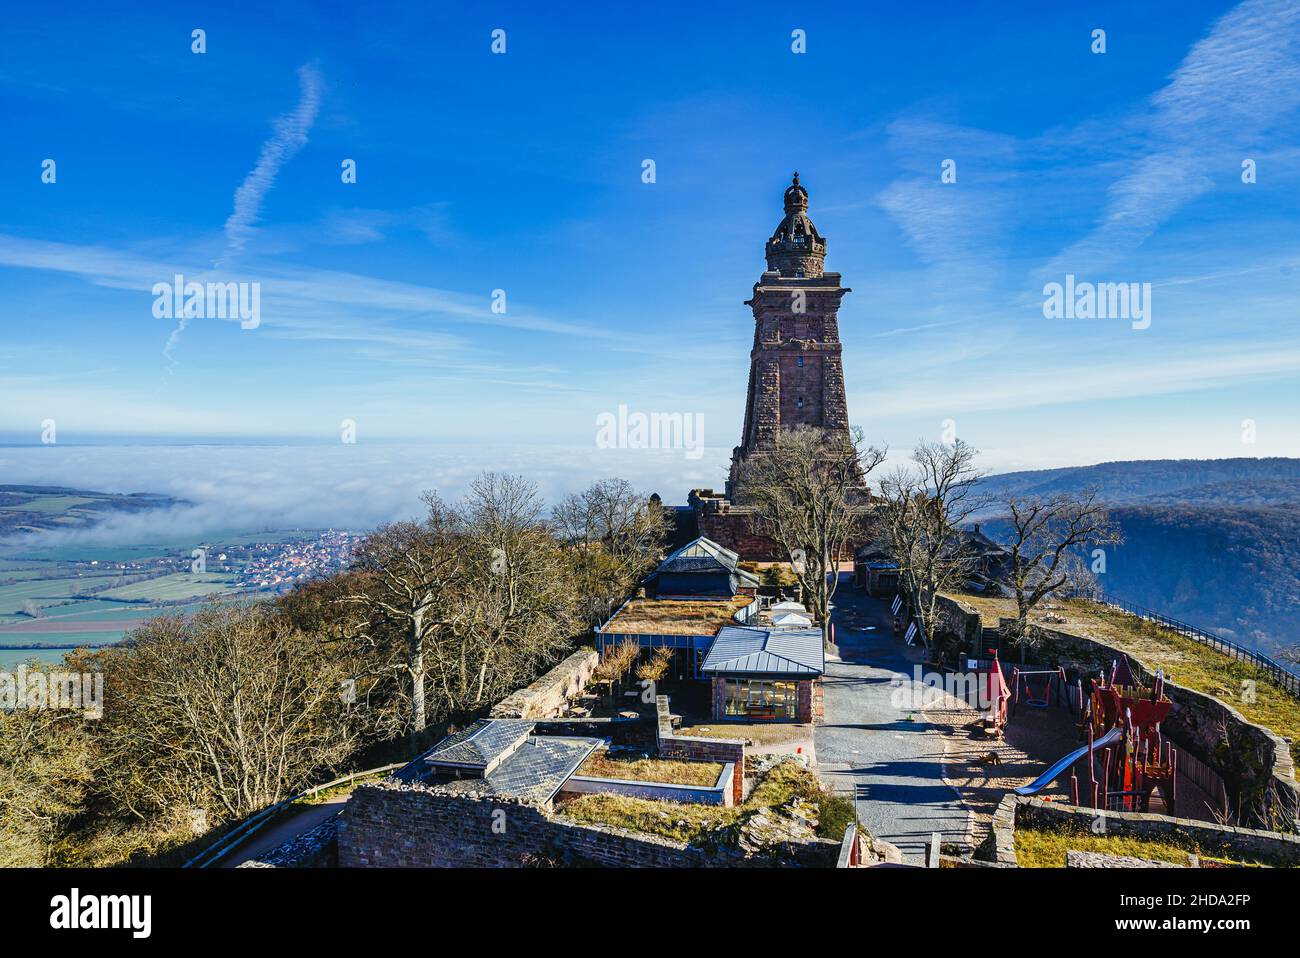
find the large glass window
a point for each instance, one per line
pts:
(758, 700)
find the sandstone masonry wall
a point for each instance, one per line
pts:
(1015, 811)
(547, 697)
(689, 748)
(392, 825)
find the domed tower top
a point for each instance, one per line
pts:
(796, 249)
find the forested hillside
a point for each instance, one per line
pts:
(1216, 543)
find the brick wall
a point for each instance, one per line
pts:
(733, 526)
(734, 529)
(812, 702)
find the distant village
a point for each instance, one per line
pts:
(277, 566)
(269, 566)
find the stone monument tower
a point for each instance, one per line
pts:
(796, 374)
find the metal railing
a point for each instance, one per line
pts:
(1282, 676)
(245, 829)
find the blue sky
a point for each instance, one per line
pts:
(522, 172)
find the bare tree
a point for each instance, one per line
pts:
(614, 536)
(924, 509)
(1047, 535)
(222, 711)
(519, 606)
(410, 571)
(655, 668)
(481, 594)
(617, 663)
(809, 494)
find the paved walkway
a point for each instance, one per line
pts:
(300, 819)
(867, 749)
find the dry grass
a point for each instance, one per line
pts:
(603, 765)
(676, 616)
(1186, 662)
(1046, 848)
(679, 821)
(759, 733)
(698, 824)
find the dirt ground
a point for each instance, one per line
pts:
(1033, 739)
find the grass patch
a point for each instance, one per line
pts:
(1186, 662)
(601, 764)
(1046, 848)
(676, 616)
(760, 733)
(706, 825)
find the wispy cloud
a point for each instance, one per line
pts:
(1010, 386)
(955, 228)
(289, 137)
(302, 302)
(1231, 88)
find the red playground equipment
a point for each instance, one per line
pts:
(1047, 681)
(994, 694)
(1121, 722)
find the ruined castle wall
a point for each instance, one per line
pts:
(548, 696)
(392, 825)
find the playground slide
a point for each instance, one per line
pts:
(1049, 776)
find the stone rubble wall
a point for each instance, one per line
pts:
(965, 624)
(315, 848)
(396, 825)
(549, 695)
(1014, 811)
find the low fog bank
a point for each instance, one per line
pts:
(257, 488)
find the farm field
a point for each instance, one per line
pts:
(73, 593)
(51, 504)
(9, 659)
(15, 595)
(179, 585)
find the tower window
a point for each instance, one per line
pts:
(800, 362)
(798, 274)
(799, 402)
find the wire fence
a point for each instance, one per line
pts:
(1282, 676)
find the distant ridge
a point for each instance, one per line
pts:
(1215, 542)
(1272, 481)
(26, 509)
